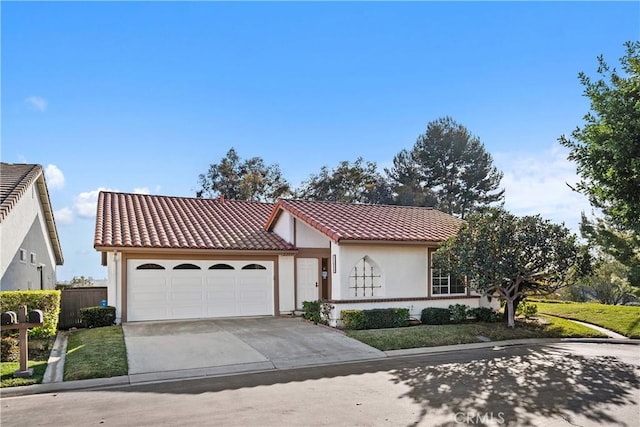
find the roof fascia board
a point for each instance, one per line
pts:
(49, 219)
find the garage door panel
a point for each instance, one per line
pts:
(183, 294)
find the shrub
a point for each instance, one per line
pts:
(311, 311)
(379, 318)
(10, 349)
(47, 301)
(435, 316)
(527, 309)
(353, 319)
(484, 314)
(96, 317)
(458, 313)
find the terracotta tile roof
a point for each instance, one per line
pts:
(15, 180)
(344, 222)
(143, 221)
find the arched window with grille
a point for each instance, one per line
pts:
(365, 279)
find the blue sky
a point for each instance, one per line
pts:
(144, 96)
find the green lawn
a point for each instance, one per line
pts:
(624, 320)
(95, 353)
(432, 335)
(8, 368)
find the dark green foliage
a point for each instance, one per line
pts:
(377, 318)
(435, 316)
(607, 148)
(527, 309)
(48, 301)
(10, 349)
(459, 313)
(511, 257)
(237, 179)
(311, 311)
(97, 317)
(348, 183)
(353, 319)
(448, 166)
(484, 314)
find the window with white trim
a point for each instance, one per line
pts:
(443, 283)
(32, 258)
(22, 257)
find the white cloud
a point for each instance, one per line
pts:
(36, 103)
(54, 176)
(85, 203)
(141, 190)
(537, 184)
(63, 216)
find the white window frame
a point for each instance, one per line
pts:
(32, 258)
(440, 277)
(22, 255)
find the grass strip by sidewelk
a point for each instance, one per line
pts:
(95, 353)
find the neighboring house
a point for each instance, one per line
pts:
(179, 258)
(29, 245)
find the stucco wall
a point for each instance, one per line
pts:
(284, 227)
(25, 228)
(403, 269)
(113, 279)
(307, 237)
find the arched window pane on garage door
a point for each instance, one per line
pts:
(150, 266)
(186, 266)
(254, 267)
(221, 267)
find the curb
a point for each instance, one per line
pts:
(137, 379)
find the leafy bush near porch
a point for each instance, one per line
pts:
(48, 301)
(435, 316)
(97, 317)
(459, 313)
(377, 318)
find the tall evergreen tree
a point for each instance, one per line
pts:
(450, 164)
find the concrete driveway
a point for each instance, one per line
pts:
(181, 349)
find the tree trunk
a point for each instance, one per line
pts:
(511, 315)
(505, 315)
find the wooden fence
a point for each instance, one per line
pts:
(73, 299)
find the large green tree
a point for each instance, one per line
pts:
(357, 182)
(509, 257)
(238, 179)
(607, 148)
(449, 164)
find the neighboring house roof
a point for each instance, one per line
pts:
(143, 221)
(15, 180)
(363, 222)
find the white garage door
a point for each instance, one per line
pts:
(177, 289)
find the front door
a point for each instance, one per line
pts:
(306, 280)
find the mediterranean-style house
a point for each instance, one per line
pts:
(181, 258)
(30, 249)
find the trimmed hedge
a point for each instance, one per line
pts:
(435, 316)
(48, 301)
(9, 349)
(354, 319)
(96, 317)
(484, 314)
(377, 318)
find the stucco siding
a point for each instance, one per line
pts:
(307, 237)
(403, 269)
(25, 228)
(284, 227)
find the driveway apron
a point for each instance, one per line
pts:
(179, 349)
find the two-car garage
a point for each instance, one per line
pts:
(191, 289)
